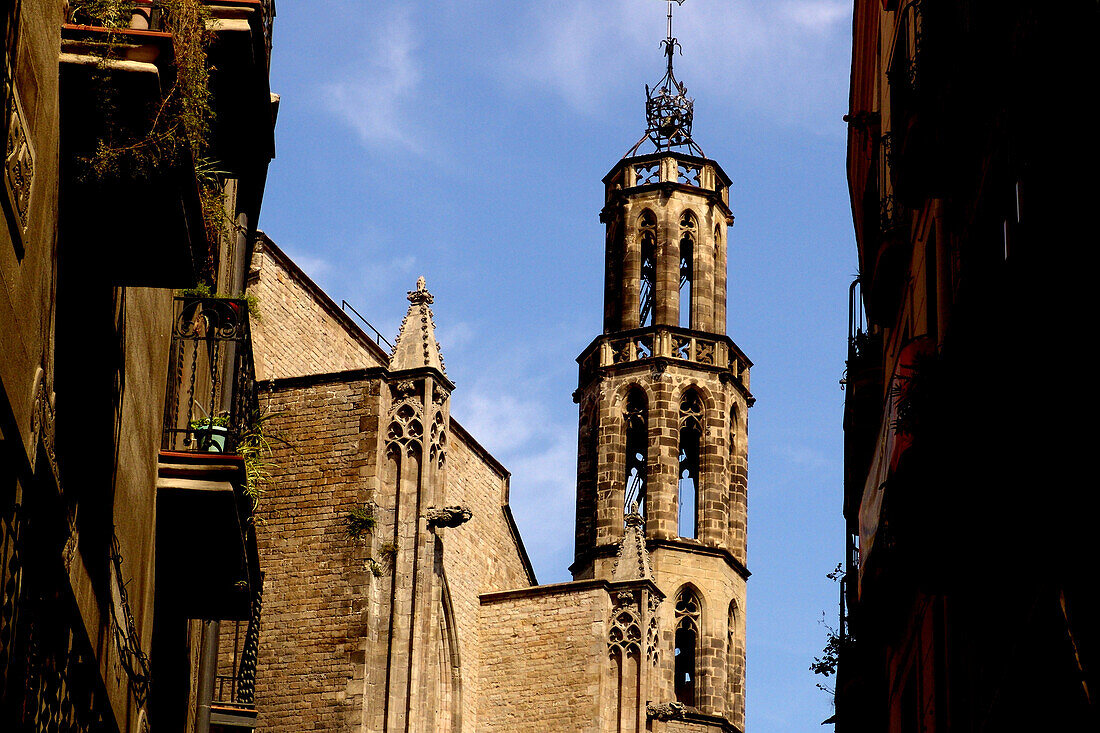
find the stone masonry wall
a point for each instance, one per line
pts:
(317, 590)
(479, 557)
(315, 576)
(541, 655)
(300, 330)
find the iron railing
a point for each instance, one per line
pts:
(378, 337)
(211, 397)
(238, 647)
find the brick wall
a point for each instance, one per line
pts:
(300, 330)
(315, 642)
(475, 482)
(315, 576)
(541, 655)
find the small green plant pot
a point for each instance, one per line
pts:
(211, 438)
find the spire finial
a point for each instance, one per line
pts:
(668, 109)
(670, 43)
(416, 346)
(421, 294)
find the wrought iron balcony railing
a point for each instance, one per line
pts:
(211, 396)
(238, 647)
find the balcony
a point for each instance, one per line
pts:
(239, 53)
(233, 704)
(205, 536)
(863, 397)
(112, 83)
(920, 81)
(666, 344)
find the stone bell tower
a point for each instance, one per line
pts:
(664, 395)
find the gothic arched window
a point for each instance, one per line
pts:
(732, 648)
(687, 267)
(733, 435)
(647, 236)
(686, 645)
(691, 436)
(635, 425)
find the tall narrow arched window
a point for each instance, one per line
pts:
(732, 435)
(732, 687)
(691, 435)
(647, 236)
(687, 267)
(686, 645)
(635, 424)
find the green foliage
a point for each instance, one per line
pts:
(825, 665)
(202, 290)
(255, 446)
(253, 303)
(103, 13)
(221, 421)
(180, 129)
(835, 644)
(181, 124)
(359, 521)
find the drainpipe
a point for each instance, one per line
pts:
(208, 668)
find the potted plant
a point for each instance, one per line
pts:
(211, 433)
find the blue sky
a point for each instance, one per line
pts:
(465, 141)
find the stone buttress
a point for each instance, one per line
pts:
(408, 688)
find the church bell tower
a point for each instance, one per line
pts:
(663, 396)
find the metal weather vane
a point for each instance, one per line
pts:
(668, 108)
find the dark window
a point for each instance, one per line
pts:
(686, 645)
(687, 267)
(647, 234)
(637, 440)
(691, 433)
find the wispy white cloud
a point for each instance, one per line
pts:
(540, 449)
(782, 59)
(501, 422)
(818, 15)
(803, 457)
(454, 335)
(376, 95)
(316, 267)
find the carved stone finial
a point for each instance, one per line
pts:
(665, 711)
(632, 561)
(421, 294)
(448, 516)
(416, 346)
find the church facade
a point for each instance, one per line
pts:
(398, 595)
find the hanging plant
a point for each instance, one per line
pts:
(181, 124)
